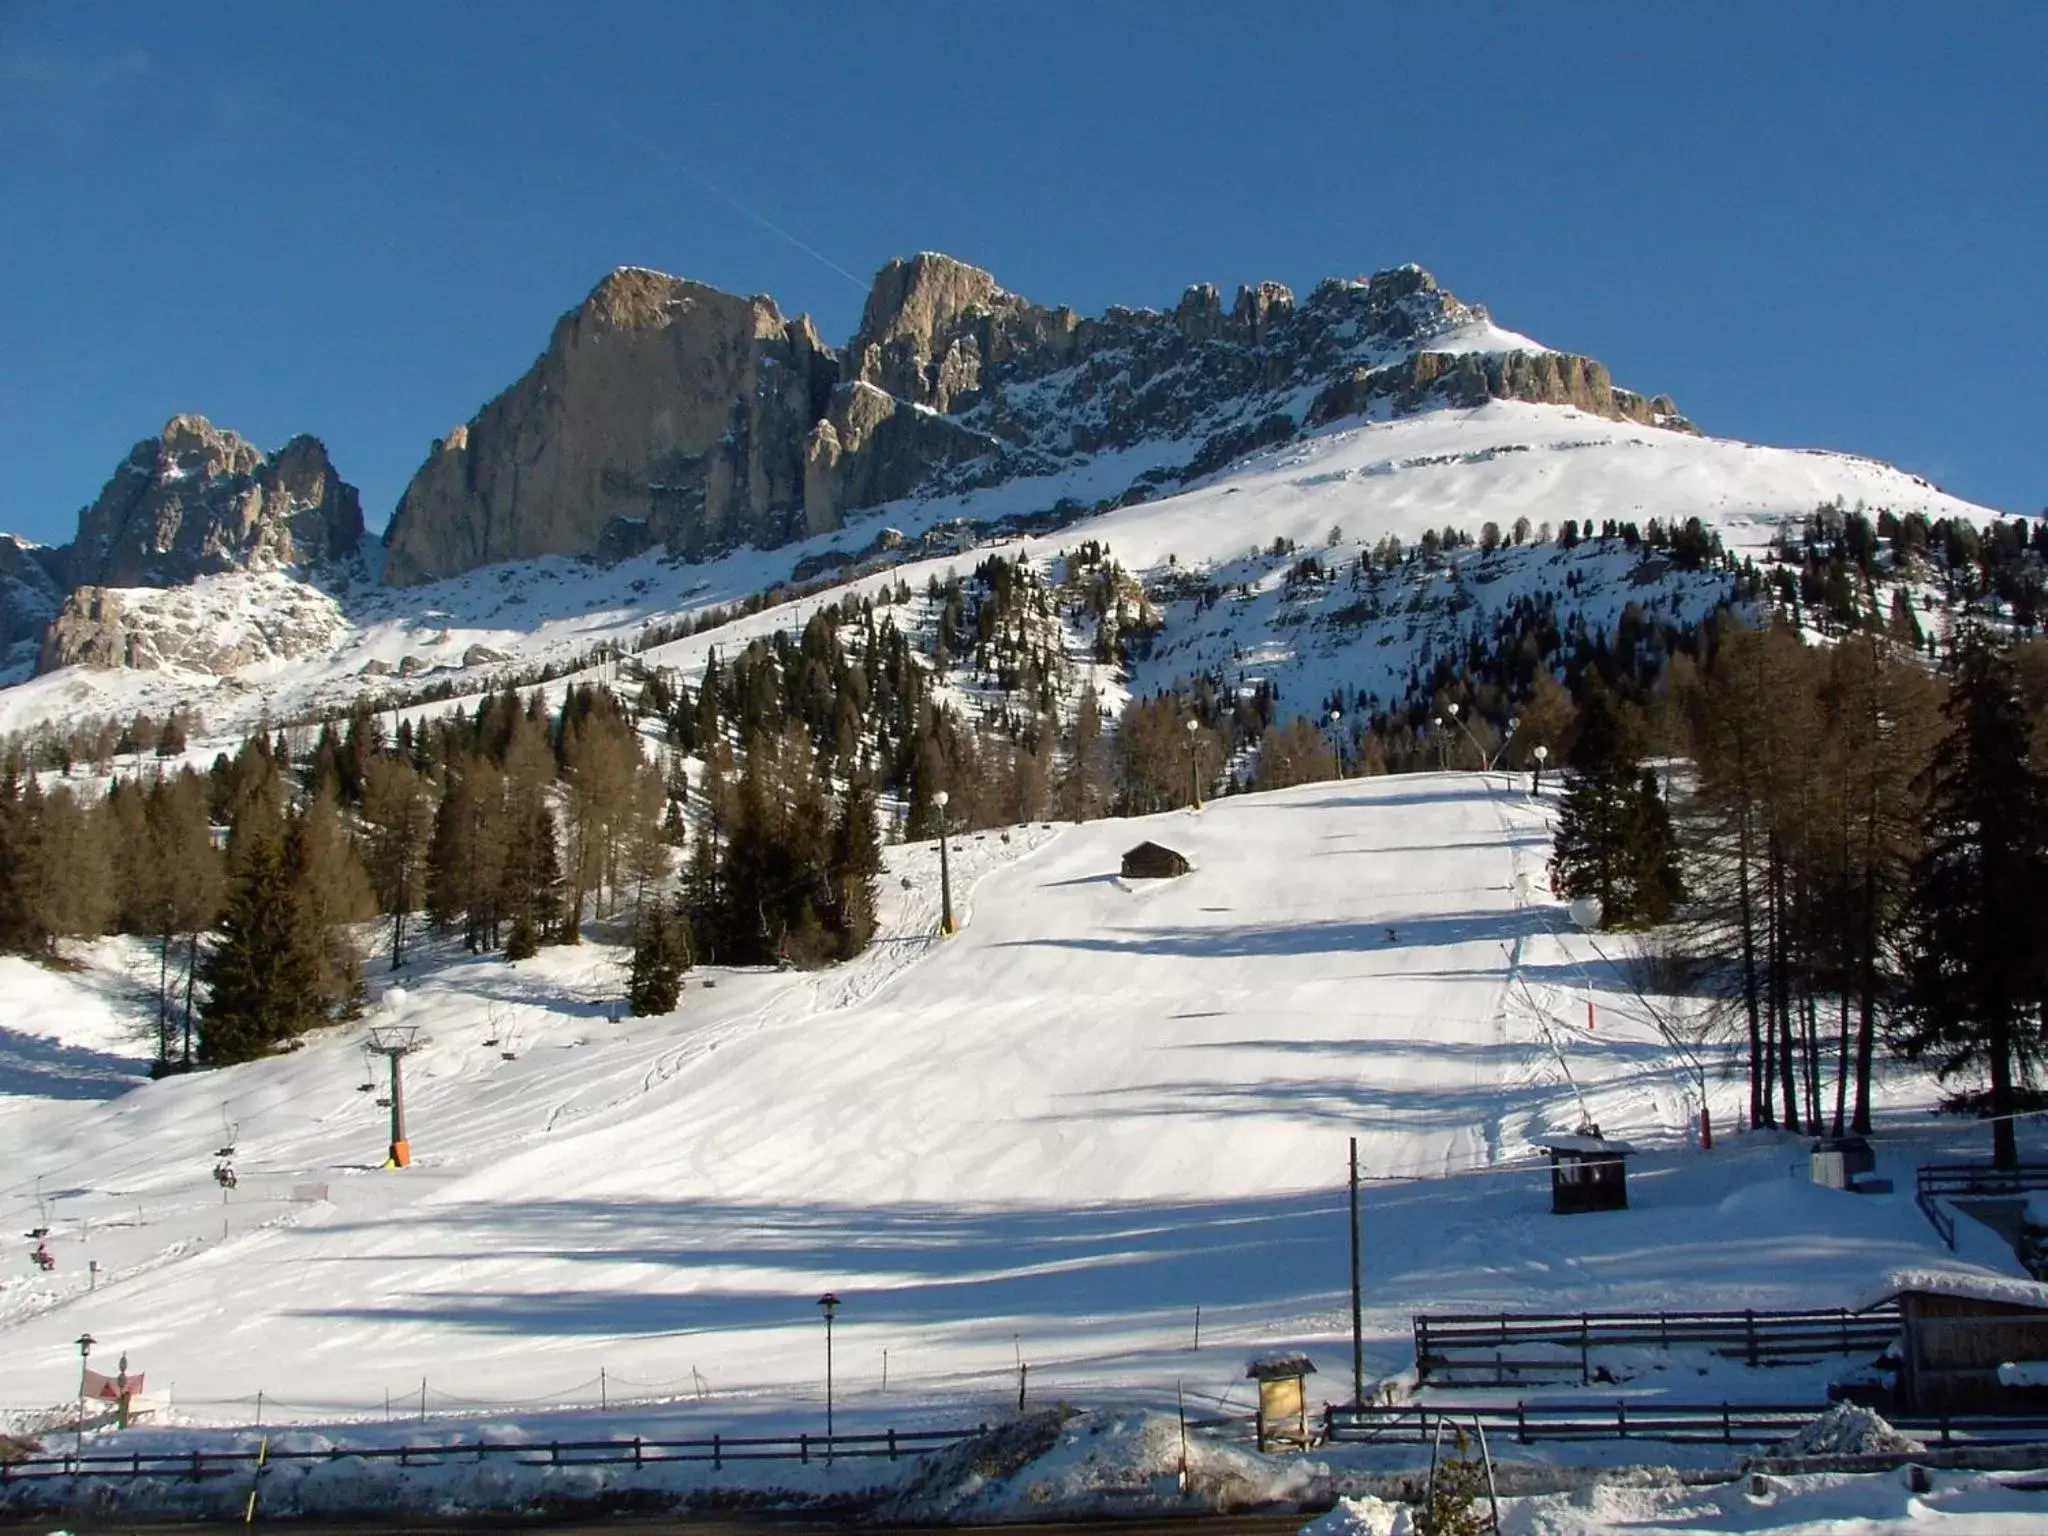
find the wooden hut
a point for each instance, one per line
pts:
(1587, 1172)
(1283, 1400)
(1152, 861)
(1969, 1342)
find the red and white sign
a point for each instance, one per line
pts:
(111, 1388)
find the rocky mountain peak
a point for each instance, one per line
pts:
(665, 411)
(197, 499)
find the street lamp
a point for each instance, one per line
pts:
(829, 1304)
(1194, 777)
(1542, 755)
(1441, 756)
(946, 925)
(1337, 742)
(85, 1344)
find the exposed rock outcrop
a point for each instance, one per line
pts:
(195, 500)
(1472, 378)
(188, 627)
(658, 401)
(29, 598)
(666, 412)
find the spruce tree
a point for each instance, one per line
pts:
(1613, 832)
(856, 861)
(262, 978)
(660, 956)
(1974, 980)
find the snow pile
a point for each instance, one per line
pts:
(1066, 1465)
(1364, 1516)
(1848, 1429)
(1836, 1504)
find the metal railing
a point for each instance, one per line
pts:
(1951, 1181)
(198, 1464)
(1480, 1349)
(1620, 1419)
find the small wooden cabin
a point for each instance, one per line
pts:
(1968, 1343)
(1152, 861)
(1587, 1172)
(1283, 1399)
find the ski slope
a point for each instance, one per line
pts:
(1051, 1138)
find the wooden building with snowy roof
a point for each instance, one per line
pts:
(1969, 1341)
(1587, 1172)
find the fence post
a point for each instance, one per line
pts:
(554, 1453)
(636, 1452)
(892, 1444)
(1749, 1319)
(803, 1448)
(1944, 1429)
(1844, 1312)
(1585, 1351)
(717, 1456)
(1521, 1423)
(1663, 1331)
(195, 1466)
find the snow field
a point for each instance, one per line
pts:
(1049, 1139)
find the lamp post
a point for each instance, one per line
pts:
(1441, 755)
(1337, 742)
(946, 926)
(829, 1304)
(1194, 778)
(85, 1344)
(1541, 754)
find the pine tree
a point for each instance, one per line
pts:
(262, 978)
(660, 956)
(856, 861)
(399, 815)
(1613, 832)
(1974, 984)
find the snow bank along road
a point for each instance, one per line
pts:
(1050, 1138)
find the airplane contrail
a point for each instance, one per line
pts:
(726, 197)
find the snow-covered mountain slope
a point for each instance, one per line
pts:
(1359, 481)
(1103, 1104)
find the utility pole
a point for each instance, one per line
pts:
(395, 1042)
(947, 927)
(1357, 1298)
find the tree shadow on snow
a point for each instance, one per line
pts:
(36, 1068)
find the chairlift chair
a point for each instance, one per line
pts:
(43, 1259)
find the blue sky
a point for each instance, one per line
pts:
(1819, 224)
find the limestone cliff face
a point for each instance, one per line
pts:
(665, 411)
(196, 500)
(662, 409)
(29, 598)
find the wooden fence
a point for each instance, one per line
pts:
(1936, 1182)
(1694, 1423)
(198, 1465)
(1480, 1349)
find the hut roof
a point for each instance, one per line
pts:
(1966, 1284)
(1273, 1367)
(1154, 861)
(1593, 1144)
